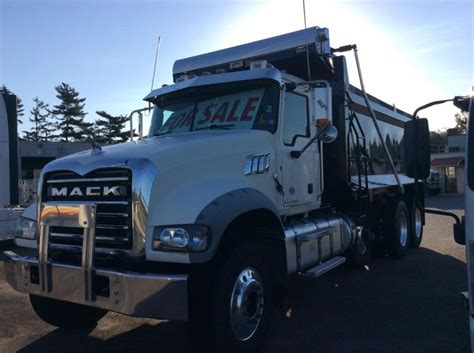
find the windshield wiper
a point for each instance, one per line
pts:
(215, 126)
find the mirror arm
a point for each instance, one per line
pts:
(414, 117)
(458, 227)
(430, 105)
(297, 154)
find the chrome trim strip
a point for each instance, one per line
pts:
(79, 236)
(66, 235)
(85, 202)
(112, 214)
(112, 239)
(100, 226)
(85, 180)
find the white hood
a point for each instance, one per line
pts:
(167, 151)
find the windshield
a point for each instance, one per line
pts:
(240, 105)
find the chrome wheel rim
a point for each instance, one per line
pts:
(418, 225)
(403, 227)
(246, 304)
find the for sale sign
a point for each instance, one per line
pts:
(238, 109)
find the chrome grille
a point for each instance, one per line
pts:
(113, 224)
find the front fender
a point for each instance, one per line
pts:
(217, 213)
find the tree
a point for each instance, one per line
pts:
(42, 128)
(461, 122)
(20, 110)
(438, 141)
(70, 114)
(109, 128)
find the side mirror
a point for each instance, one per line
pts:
(329, 134)
(416, 143)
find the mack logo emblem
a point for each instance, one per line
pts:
(88, 191)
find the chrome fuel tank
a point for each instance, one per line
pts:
(313, 240)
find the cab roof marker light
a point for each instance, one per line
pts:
(181, 78)
(258, 64)
(236, 65)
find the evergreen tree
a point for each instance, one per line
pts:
(109, 128)
(70, 114)
(20, 109)
(42, 129)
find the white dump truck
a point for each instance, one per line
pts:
(261, 162)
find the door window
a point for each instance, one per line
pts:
(295, 118)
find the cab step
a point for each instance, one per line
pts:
(324, 267)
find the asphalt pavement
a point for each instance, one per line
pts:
(393, 306)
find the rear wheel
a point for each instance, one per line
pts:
(64, 314)
(416, 226)
(396, 228)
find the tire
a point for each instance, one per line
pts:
(416, 226)
(396, 228)
(359, 254)
(243, 277)
(64, 314)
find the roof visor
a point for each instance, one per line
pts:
(270, 49)
(256, 74)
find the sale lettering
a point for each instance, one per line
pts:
(220, 113)
(239, 109)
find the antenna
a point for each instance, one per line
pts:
(306, 35)
(156, 61)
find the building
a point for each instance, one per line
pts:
(450, 164)
(33, 156)
(22, 160)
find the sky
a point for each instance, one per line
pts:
(411, 52)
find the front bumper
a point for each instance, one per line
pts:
(135, 294)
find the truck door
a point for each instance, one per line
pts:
(300, 177)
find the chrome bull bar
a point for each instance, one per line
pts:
(68, 215)
(152, 295)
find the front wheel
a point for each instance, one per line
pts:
(64, 314)
(241, 304)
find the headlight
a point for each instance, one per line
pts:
(25, 228)
(183, 238)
